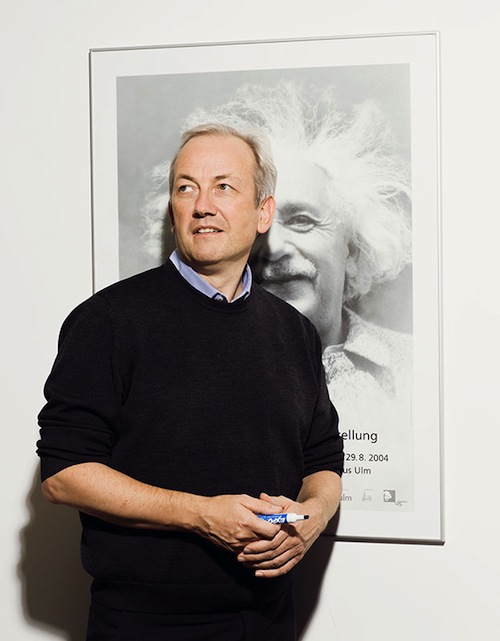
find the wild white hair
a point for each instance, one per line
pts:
(369, 187)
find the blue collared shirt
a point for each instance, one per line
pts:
(199, 283)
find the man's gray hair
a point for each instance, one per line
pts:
(265, 169)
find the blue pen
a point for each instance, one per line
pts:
(291, 517)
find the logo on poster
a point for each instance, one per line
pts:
(367, 496)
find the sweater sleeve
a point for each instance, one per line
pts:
(78, 422)
(324, 448)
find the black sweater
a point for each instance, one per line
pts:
(179, 391)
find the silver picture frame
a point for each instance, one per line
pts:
(142, 98)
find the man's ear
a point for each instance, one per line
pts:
(267, 209)
(171, 216)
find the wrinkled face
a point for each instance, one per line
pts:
(303, 257)
(212, 205)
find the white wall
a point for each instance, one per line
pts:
(370, 591)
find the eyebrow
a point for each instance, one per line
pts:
(215, 178)
(292, 207)
(185, 177)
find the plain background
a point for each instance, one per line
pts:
(370, 591)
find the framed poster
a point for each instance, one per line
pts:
(353, 123)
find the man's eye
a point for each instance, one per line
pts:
(301, 222)
(224, 187)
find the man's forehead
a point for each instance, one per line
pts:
(216, 156)
(181, 175)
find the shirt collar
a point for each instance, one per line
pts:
(199, 283)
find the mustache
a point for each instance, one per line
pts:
(285, 269)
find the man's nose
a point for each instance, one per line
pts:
(276, 243)
(204, 205)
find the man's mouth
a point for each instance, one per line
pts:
(207, 230)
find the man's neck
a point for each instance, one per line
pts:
(229, 284)
(228, 279)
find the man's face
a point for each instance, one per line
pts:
(213, 212)
(303, 257)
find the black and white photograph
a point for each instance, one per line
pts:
(355, 241)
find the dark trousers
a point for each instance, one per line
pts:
(273, 622)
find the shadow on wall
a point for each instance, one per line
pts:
(55, 588)
(309, 575)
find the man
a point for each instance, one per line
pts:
(184, 402)
(342, 230)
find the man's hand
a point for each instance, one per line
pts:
(231, 522)
(276, 556)
(319, 498)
